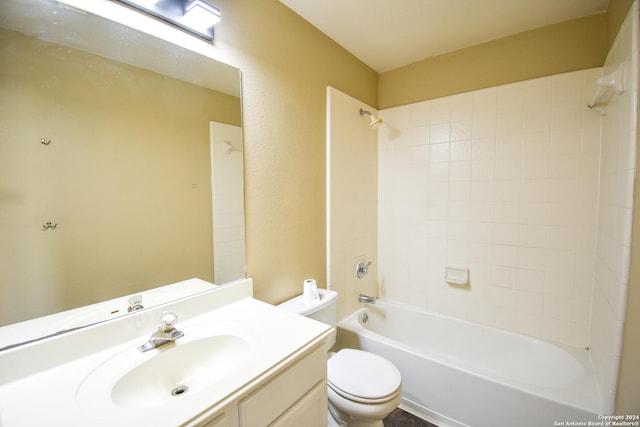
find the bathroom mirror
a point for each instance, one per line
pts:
(106, 142)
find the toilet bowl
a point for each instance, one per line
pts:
(363, 388)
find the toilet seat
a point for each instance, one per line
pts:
(363, 377)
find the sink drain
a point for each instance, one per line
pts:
(180, 390)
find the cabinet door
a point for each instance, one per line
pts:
(269, 402)
(219, 421)
(309, 411)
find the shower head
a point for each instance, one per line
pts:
(375, 121)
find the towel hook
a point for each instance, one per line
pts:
(45, 141)
(49, 226)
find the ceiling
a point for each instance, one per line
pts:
(390, 34)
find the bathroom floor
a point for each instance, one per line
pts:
(400, 418)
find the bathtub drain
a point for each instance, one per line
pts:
(180, 390)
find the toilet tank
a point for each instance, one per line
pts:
(324, 309)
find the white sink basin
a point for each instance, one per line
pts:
(206, 355)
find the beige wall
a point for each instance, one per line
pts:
(628, 397)
(616, 14)
(568, 46)
(128, 146)
(353, 200)
(286, 66)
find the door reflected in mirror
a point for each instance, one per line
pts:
(227, 168)
(105, 164)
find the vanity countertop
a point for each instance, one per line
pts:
(57, 323)
(52, 382)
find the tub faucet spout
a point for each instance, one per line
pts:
(367, 299)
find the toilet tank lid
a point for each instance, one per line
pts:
(304, 307)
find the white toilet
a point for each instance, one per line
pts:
(363, 387)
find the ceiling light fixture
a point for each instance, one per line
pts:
(194, 16)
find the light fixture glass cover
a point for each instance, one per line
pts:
(201, 15)
(195, 16)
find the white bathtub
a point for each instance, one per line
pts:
(457, 373)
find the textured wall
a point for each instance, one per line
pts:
(353, 200)
(286, 66)
(559, 48)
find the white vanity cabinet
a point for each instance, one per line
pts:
(295, 395)
(292, 394)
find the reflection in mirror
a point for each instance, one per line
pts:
(105, 161)
(227, 167)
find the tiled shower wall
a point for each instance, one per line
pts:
(504, 181)
(617, 171)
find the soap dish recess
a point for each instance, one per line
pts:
(456, 275)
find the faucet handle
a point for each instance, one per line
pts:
(167, 320)
(362, 269)
(135, 303)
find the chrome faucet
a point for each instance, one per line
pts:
(166, 332)
(367, 299)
